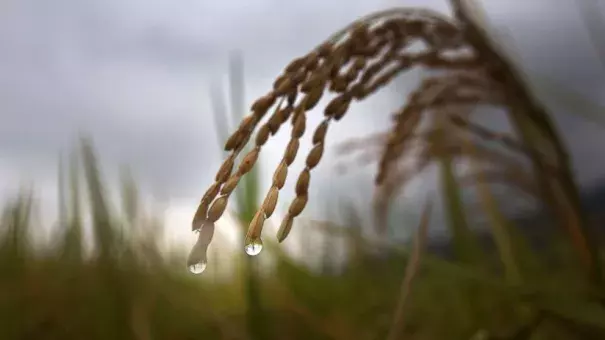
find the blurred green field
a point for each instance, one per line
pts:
(127, 289)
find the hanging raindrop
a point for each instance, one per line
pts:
(196, 262)
(253, 247)
(197, 268)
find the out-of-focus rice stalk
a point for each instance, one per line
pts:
(246, 195)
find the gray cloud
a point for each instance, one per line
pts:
(135, 75)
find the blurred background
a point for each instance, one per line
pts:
(111, 115)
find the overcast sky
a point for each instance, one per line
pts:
(135, 74)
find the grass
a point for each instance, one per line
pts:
(124, 287)
(68, 291)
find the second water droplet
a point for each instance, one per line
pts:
(197, 268)
(254, 247)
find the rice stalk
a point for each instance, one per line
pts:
(221, 115)
(246, 197)
(498, 222)
(410, 273)
(311, 74)
(537, 131)
(61, 199)
(355, 240)
(130, 202)
(103, 229)
(466, 247)
(71, 245)
(594, 22)
(360, 60)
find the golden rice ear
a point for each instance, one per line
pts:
(202, 210)
(351, 65)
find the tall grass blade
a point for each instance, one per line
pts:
(410, 274)
(72, 242)
(113, 304)
(247, 195)
(236, 85)
(130, 197)
(498, 223)
(222, 123)
(465, 247)
(572, 101)
(62, 200)
(562, 198)
(104, 232)
(594, 22)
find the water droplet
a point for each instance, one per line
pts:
(196, 262)
(197, 268)
(254, 247)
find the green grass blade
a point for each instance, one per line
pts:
(465, 245)
(499, 225)
(247, 201)
(411, 271)
(62, 200)
(561, 195)
(594, 21)
(570, 100)
(222, 122)
(104, 234)
(71, 248)
(236, 85)
(130, 197)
